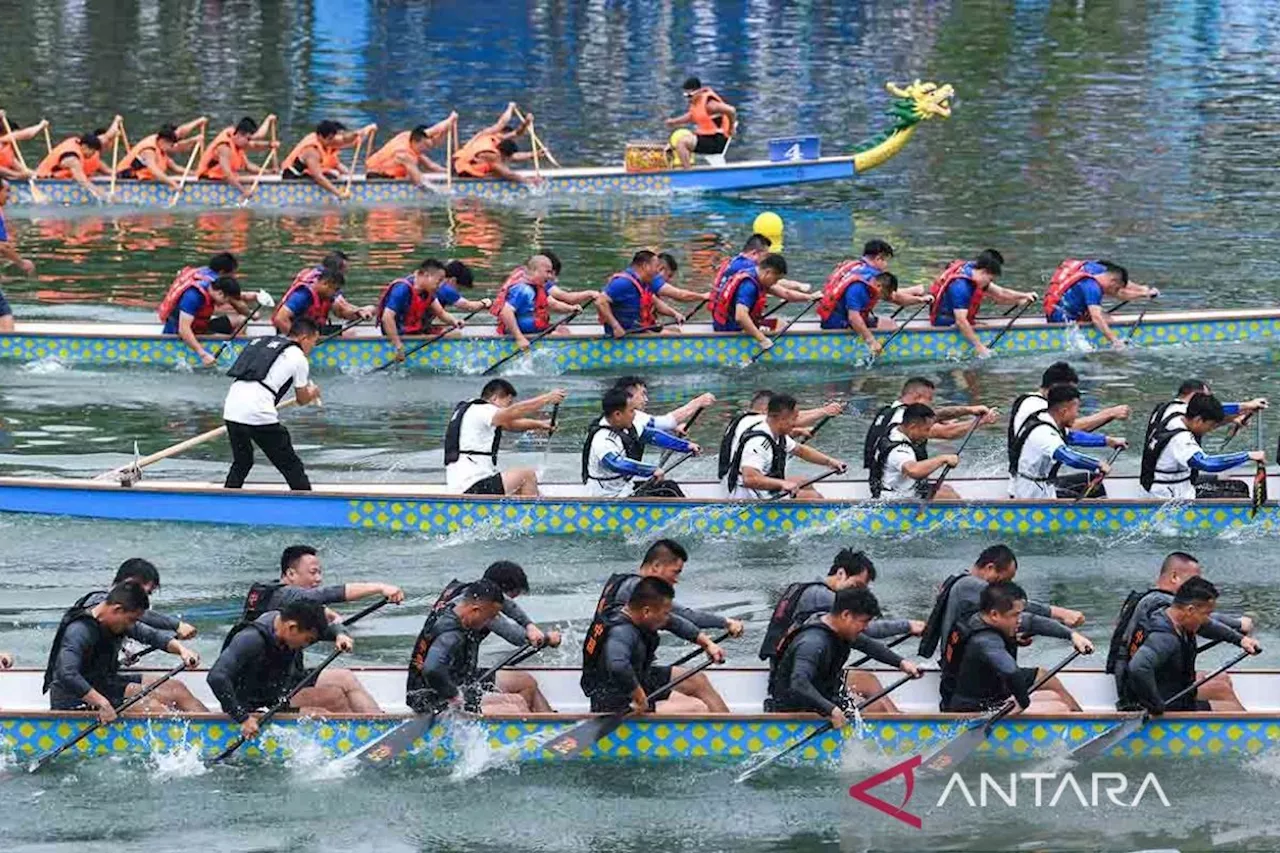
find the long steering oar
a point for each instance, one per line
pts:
(1103, 743)
(124, 706)
(817, 733)
(420, 347)
(964, 744)
(781, 332)
(583, 736)
(902, 327)
(1096, 479)
(806, 484)
(519, 352)
(1009, 325)
(936, 485)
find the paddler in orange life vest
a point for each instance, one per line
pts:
(79, 158)
(738, 299)
(959, 292)
(151, 159)
(226, 157)
(630, 302)
(10, 168)
(404, 156)
(1075, 292)
(853, 289)
(489, 153)
(408, 303)
(316, 292)
(714, 122)
(315, 157)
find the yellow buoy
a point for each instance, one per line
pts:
(769, 224)
(678, 134)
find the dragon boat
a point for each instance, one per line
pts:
(29, 730)
(565, 509)
(912, 105)
(585, 348)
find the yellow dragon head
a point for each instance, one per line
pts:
(920, 101)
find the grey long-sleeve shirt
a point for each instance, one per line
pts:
(82, 662)
(159, 621)
(964, 601)
(685, 622)
(811, 673)
(255, 669)
(817, 599)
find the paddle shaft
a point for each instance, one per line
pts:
(1096, 479)
(350, 324)
(693, 654)
(1007, 708)
(813, 433)
(696, 309)
(782, 332)
(428, 342)
(895, 642)
(1235, 429)
(547, 331)
(235, 333)
(1009, 325)
(1136, 323)
(806, 484)
(1192, 688)
(356, 617)
(667, 454)
(902, 327)
(36, 194)
(937, 484)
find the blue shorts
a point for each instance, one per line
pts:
(5, 310)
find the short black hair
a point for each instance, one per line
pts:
(917, 413)
(614, 400)
(431, 265)
(888, 282)
(333, 277)
(650, 592)
(991, 255)
(137, 569)
(247, 126)
(988, 263)
(334, 260)
(691, 84)
(642, 257)
(223, 263)
(1173, 559)
(291, 555)
(228, 285)
(1001, 597)
(497, 387)
(859, 601)
(774, 262)
(509, 577)
(1062, 394)
(508, 147)
(1206, 407)
(329, 127)
(303, 327)
(129, 596)
(168, 132)
(554, 258)
(460, 273)
(1195, 591)
(761, 396)
(670, 260)
(1001, 556)
(915, 383)
(626, 383)
(877, 248)
(781, 404)
(757, 243)
(1192, 386)
(1059, 373)
(1115, 269)
(665, 551)
(91, 140)
(853, 563)
(308, 615)
(419, 133)
(484, 591)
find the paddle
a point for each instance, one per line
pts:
(37, 195)
(806, 484)
(402, 738)
(1102, 743)
(235, 333)
(124, 706)
(1136, 323)
(583, 736)
(428, 342)
(963, 745)
(693, 654)
(1259, 490)
(696, 309)
(936, 486)
(350, 324)
(1114, 308)
(818, 732)
(780, 334)
(897, 641)
(547, 331)
(1096, 479)
(813, 433)
(902, 327)
(191, 161)
(667, 454)
(1009, 325)
(1236, 427)
(266, 162)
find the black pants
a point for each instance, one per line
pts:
(275, 443)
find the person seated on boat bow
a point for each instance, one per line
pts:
(408, 304)
(619, 653)
(316, 292)
(714, 122)
(738, 299)
(800, 601)
(83, 671)
(10, 254)
(947, 424)
(854, 287)
(207, 300)
(264, 372)
(630, 303)
(809, 673)
(226, 157)
(151, 158)
(146, 575)
(490, 152)
(1162, 656)
(404, 156)
(473, 437)
(754, 416)
(664, 285)
(1207, 485)
(262, 660)
(901, 467)
(79, 158)
(302, 579)
(1040, 448)
(10, 168)
(614, 447)
(315, 157)
(1139, 607)
(980, 658)
(759, 461)
(959, 292)
(524, 302)
(1172, 455)
(1076, 289)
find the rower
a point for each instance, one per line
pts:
(1172, 456)
(854, 287)
(810, 671)
(630, 301)
(198, 300)
(262, 661)
(83, 672)
(618, 668)
(959, 292)
(759, 461)
(664, 285)
(1164, 412)
(849, 570)
(1041, 447)
(555, 291)
(754, 250)
(315, 157)
(302, 579)
(10, 254)
(1058, 373)
(673, 421)
(457, 278)
(714, 122)
(10, 167)
(226, 157)
(614, 447)
(442, 669)
(407, 304)
(901, 466)
(491, 151)
(525, 300)
(404, 156)
(755, 415)
(738, 300)
(474, 436)
(980, 660)
(316, 292)
(1139, 607)
(1076, 289)
(946, 425)
(147, 576)
(151, 158)
(264, 372)
(79, 158)
(1162, 656)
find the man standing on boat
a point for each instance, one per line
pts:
(473, 438)
(759, 461)
(1172, 456)
(10, 254)
(959, 292)
(490, 152)
(1040, 448)
(630, 301)
(1076, 289)
(714, 121)
(315, 157)
(614, 448)
(946, 426)
(226, 157)
(404, 156)
(264, 372)
(901, 466)
(316, 292)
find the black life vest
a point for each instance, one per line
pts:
(726, 443)
(829, 683)
(881, 424)
(1160, 416)
(258, 600)
(452, 436)
(255, 361)
(1151, 452)
(96, 667)
(609, 593)
(1011, 434)
(777, 460)
(1030, 425)
(595, 676)
(783, 619)
(933, 627)
(979, 683)
(631, 445)
(417, 659)
(278, 671)
(875, 481)
(1118, 651)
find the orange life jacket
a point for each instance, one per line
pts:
(955, 270)
(415, 319)
(306, 279)
(704, 123)
(541, 311)
(141, 171)
(51, 166)
(724, 294)
(466, 162)
(384, 161)
(187, 278)
(1068, 274)
(841, 278)
(7, 158)
(648, 317)
(310, 142)
(211, 166)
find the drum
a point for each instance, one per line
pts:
(647, 157)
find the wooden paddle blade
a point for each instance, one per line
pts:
(580, 738)
(1259, 490)
(396, 742)
(958, 749)
(1102, 743)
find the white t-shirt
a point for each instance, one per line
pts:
(475, 434)
(249, 403)
(1175, 464)
(612, 484)
(1036, 462)
(758, 453)
(897, 482)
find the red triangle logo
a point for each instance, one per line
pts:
(862, 791)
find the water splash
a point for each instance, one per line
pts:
(168, 760)
(45, 367)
